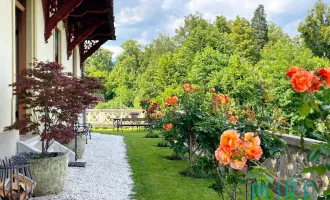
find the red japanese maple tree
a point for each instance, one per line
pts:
(53, 101)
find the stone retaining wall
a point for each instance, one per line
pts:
(103, 117)
(294, 161)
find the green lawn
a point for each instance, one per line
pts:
(157, 178)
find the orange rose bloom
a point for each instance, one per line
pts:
(166, 105)
(229, 139)
(168, 127)
(188, 87)
(212, 90)
(325, 73)
(222, 99)
(238, 164)
(227, 99)
(252, 137)
(229, 112)
(292, 70)
(223, 155)
(172, 100)
(159, 113)
(253, 151)
(316, 84)
(301, 81)
(233, 119)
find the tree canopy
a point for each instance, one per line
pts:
(243, 59)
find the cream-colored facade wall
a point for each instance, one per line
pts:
(36, 47)
(7, 61)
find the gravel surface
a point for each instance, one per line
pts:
(107, 174)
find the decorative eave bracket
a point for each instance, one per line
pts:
(78, 32)
(56, 11)
(88, 47)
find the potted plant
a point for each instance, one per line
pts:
(81, 143)
(53, 101)
(134, 114)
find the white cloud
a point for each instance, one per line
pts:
(167, 4)
(117, 50)
(173, 23)
(130, 16)
(291, 28)
(139, 13)
(245, 8)
(143, 20)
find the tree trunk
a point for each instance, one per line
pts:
(190, 151)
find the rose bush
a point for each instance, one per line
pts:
(316, 116)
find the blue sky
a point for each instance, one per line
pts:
(143, 20)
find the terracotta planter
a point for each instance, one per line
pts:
(134, 115)
(50, 174)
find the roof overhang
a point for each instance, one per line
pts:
(89, 23)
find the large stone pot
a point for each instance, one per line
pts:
(81, 143)
(50, 173)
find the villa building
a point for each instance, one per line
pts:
(65, 31)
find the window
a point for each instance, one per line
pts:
(57, 44)
(20, 45)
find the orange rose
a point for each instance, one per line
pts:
(316, 84)
(223, 155)
(223, 99)
(233, 119)
(188, 87)
(166, 105)
(252, 137)
(325, 73)
(292, 70)
(159, 113)
(172, 100)
(212, 90)
(168, 127)
(301, 81)
(253, 151)
(227, 99)
(229, 112)
(229, 139)
(238, 163)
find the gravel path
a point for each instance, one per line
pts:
(107, 174)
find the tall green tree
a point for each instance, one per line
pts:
(223, 25)
(148, 80)
(259, 23)
(190, 22)
(275, 33)
(124, 74)
(315, 30)
(243, 37)
(206, 65)
(100, 63)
